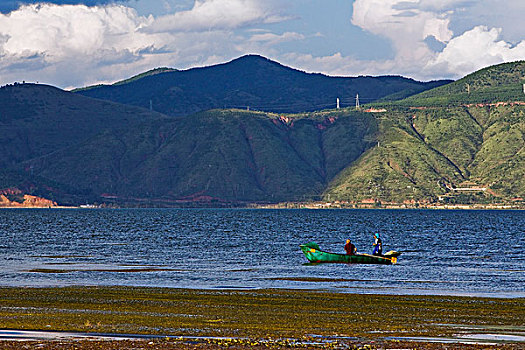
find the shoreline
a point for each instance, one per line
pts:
(397, 206)
(341, 319)
(328, 290)
(295, 206)
(11, 339)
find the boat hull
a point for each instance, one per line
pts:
(315, 255)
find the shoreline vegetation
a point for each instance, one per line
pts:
(282, 205)
(259, 319)
(380, 205)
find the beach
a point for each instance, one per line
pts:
(167, 318)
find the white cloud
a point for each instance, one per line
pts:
(70, 41)
(272, 39)
(461, 26)
(215, 14)
(335, 64)
(406, 27)
(475, 49)
(60, 31)
(74, 45)
(507, 15)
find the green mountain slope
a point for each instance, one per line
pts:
(37, 121)
(427, 154)
(446, 144)
(500, 161)
(250, 82)
(74, 149)
(402, 166)
(229, 155)
(499, 83)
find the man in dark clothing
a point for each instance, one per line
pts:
(349, 248)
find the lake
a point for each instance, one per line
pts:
(444, 252)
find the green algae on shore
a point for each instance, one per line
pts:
(254, 314)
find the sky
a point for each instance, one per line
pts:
(75, 43)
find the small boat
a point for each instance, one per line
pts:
(315, 255)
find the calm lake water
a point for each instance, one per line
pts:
(477, 253)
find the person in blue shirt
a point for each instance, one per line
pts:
(378, 245)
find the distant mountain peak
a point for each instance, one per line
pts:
(252, 57)
(253, 60)
(250, 81)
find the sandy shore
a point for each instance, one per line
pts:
(176, 345)
(255, 319)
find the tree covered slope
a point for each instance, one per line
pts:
(499, 83)
(431, 147)
(251, 82)
(226, 155)
(447, 153)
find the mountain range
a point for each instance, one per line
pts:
(250, 82)
(164, 138)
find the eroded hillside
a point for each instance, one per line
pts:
(465, 154)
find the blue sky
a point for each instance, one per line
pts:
(72, 43)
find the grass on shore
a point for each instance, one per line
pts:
(254, 313)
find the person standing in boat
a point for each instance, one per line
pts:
(350, 248)
(378, 245)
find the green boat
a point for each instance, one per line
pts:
(315, 255)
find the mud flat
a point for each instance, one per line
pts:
(163, 318)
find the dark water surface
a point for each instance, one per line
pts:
(477, 253)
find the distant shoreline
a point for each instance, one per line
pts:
(330, 205)
(293, 205)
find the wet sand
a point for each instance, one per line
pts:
(117, 318)
(175, 345)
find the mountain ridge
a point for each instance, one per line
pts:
(250, 82)
(499, 83)
(73, 149)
